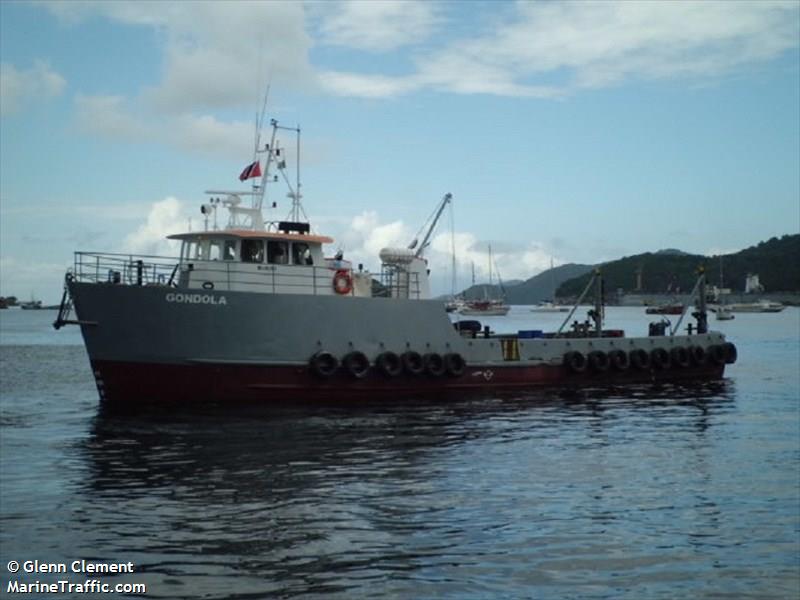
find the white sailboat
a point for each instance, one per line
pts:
(723, 313)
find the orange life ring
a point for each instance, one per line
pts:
(342, 282)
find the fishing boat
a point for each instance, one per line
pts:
(260, 311)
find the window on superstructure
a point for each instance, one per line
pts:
(215, 250)
(301, 254)
(253, 251)
(278, 253)
(194, 250)
(230, 250)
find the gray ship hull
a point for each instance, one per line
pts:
(154, 343)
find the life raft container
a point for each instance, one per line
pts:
(342, 282)
(598, 361)
(619, 360)
(680, 356)
(640, 359)
(454, 364)
(323, 364)
(389, 364)
(356, 364)
(412, 362)
(434, 364)
(660, 359)
(575, 361)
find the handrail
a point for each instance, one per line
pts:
(127, 269)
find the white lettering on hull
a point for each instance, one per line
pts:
(196, 299)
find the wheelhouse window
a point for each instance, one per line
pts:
(229, 251)
(301, 254)
(194, 250)
(214, 249)
(253, 251)
(278, 252)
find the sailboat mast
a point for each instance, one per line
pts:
(490, 264)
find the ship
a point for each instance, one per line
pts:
(262, 311)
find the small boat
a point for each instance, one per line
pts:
(549, 307)
(672, 308)
(763, 306)
(454, 305)
(31, 305)
(724, 313)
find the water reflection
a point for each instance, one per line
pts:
(327, 499)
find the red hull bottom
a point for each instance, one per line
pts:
(131, 383)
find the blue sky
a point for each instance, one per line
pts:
(576, 131)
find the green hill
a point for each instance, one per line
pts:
(776, 261)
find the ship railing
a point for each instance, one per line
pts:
(399, 282)
(129, 269)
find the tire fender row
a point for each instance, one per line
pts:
(390, 365)
(657, 359)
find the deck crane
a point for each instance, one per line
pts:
(433, 220)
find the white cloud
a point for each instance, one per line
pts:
(108, 116)
(364, 235)
(113, 117)
(216, 54)
(165, 217)
(367, 86)
(19, 87)
(378, 26)
(544, 49)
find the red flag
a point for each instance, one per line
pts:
(250, 171)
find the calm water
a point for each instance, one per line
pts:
(670, 492)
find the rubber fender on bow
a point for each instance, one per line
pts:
(356, 364)
(716, 354)
(575, 361)
(412, 362)
(731, 354)
(454, 364)
(660, 359)
(598, 361)
(619, 360)
(323, 364)
(389, 364)
(698, 355)
(434, 364)
(640, 359)
(680, 356)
